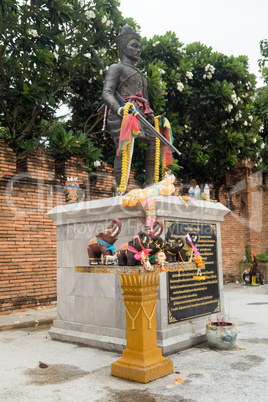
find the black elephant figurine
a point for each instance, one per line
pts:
(129, 254)
(102, 243)
(156, 242)
(173, 247)
(187, 253)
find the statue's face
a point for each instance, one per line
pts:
(133, 50)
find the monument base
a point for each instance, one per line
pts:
(89, 299)
(121, 368)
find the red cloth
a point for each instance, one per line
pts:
(142, 102)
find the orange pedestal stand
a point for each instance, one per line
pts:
(142, 360)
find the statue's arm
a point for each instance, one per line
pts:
(111, 83)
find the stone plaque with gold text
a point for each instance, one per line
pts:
(193, 294)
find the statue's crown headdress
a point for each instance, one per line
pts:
(125, 36)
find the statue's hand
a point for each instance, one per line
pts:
(151, 119)
(120, 111)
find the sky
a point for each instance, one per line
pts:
(231, 27)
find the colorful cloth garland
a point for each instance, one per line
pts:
(165, 129)
(129, 127)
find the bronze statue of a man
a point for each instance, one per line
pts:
(125, 79)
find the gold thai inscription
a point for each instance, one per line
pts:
(188, 297)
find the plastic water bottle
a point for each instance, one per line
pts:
(207, 191)
(191, 192)
(197, 192)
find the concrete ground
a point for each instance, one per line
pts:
(76, 373)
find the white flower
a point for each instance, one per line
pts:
(181, 50)
(156, 43)
(161, 71)
(97, 163)
(32, 32)
(189, 75)
(261, 128)
(109, 23)
(262, 145)
(252, 98)
(56, 56)
(180, 86)
(204, 76)
(250, 117)
(229, 108)
(90, 14)
(245, 123)
(234, 98)
(104, 19)
(254, 140)
(224, 124)
(210, 68)
(238, 115)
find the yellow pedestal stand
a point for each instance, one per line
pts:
(142, 360)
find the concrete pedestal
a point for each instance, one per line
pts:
(90, 303)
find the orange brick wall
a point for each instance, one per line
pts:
(30, 186)
(246, 196)
(33, 184)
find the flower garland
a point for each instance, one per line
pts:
(125, 157)
(157, 151)
(164, 163)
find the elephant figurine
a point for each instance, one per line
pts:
(173, 247)
(156, 242)
(129, 254)
(102, 244)
(187, 253)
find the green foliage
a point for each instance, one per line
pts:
(209, 102)
(262, 257)
(63, 144)
(248, 259)
(44, 50)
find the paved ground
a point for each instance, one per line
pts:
(83, 374)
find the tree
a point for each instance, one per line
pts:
(209, 101)
(44, 48)
(261, 103)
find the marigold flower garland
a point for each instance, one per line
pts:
(157, 151)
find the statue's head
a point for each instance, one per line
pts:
(125, 37)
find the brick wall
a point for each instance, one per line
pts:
(33, 184)
(30, 186)
(246, 196)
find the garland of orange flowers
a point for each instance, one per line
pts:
(157, 151)
(163, 163)
(125, 158)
